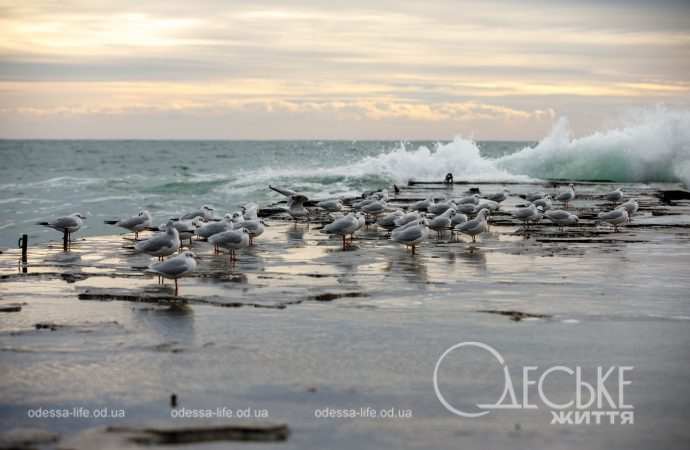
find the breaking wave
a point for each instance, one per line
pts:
(652, 146)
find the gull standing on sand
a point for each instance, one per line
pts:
(411, 235)
(442, 222)
(232, 240)
(475, 226)
(343, 226)
(614, 196)
(631, 206)
(135, 224)
(162, 244)
(567, 196)
(561, 217)
(66, 224)
(616, 217)
(175, 267)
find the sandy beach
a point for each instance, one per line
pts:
(298, 329)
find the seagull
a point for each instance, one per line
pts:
(333, 205)
(442, 222)
(250, 211)
(374, 208)
(175, 267)
(441, 207)
(66, 224)
(567, 196)
(135, 224)
(536, 218)
(343, 226)
(186, 228)
(209, 229)
(614, 196)
(471, 199)
(237, 220)
(467, 208)
(631, 206)
(525, 214)
(615, 217)
(544, 202)
(295, 202)
(532, 196)
(406, 218)
(162, 244)
(561, 217)
(296, 207)
(488, 204)
(387, 222)
(457, 219)
(255, 228)
(499, 196)
(475, 226)
(232, 240)
(412, 234)
(422, 205)
(206, 212)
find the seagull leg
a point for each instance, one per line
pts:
(413, 248)
(176, 289)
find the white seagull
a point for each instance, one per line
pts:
(162, 244)
(631, 206)
(175, 267)
(232, 240)
(411, 235)
(442, 222)
(66, 224)
(343, 226)
(475, 226)
(561, 217)
(616, 217)
(566, 196)
(614, 196)
(135, 224)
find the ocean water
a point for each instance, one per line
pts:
(110, 179)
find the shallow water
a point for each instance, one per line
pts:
(620, 300)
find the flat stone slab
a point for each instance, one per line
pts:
(162, 436)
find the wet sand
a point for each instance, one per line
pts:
(298, 325)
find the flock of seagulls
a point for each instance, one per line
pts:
(409, 227)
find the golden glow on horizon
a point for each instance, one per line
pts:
(438, 63)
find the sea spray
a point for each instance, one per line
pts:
(653, 146)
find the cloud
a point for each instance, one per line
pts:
(385, 61)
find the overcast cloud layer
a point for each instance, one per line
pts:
(324, 69)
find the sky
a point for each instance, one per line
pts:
(324, 69)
